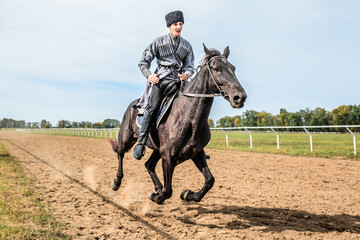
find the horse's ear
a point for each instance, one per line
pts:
(206, 50)
(226, 52)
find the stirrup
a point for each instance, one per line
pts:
(139, 151)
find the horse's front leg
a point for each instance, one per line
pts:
(115, 184)
(168, 170)
(201, 164)
(150, 166)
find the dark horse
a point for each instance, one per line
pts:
(186, 132)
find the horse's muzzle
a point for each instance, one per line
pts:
(238, 100)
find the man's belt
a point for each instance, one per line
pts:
(179, 70)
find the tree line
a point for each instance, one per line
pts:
(11, 123)
(342, 115)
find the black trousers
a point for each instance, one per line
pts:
(155, 100)
(166, 85)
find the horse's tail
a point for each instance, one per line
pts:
(114, 144)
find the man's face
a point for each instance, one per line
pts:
(176, 28)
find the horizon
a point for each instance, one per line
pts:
(215, 121)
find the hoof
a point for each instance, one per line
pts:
(113, 186)
(151, 196)
(184, 195)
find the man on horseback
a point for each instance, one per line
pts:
(175, 59)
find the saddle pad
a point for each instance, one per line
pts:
(139, 120)
(166, 106)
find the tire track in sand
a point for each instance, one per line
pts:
(104, 198)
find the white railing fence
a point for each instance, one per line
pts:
(113, 132)
(84, 132)
(306, 129)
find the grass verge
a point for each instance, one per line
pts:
(22, 215)
(339, 146)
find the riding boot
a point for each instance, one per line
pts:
(139, 149)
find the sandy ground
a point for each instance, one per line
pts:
(255, 196)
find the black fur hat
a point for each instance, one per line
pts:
(173, 17)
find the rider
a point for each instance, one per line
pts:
(175, 59)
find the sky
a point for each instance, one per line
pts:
(77, 60)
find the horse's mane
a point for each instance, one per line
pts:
(212, 53)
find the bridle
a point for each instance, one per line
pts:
(209, 95)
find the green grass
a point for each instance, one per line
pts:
(324, 145)
(22, 215)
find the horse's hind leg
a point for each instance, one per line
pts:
(125, 141)
(115, 184)
(150, 166)
(201, 164)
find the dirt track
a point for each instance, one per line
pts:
(255, 196)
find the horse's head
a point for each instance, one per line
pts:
(222, 75)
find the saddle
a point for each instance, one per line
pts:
(162, 115)
(163, 112)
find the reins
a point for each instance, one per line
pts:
(209, 95)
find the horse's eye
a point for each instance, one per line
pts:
(216, 69)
